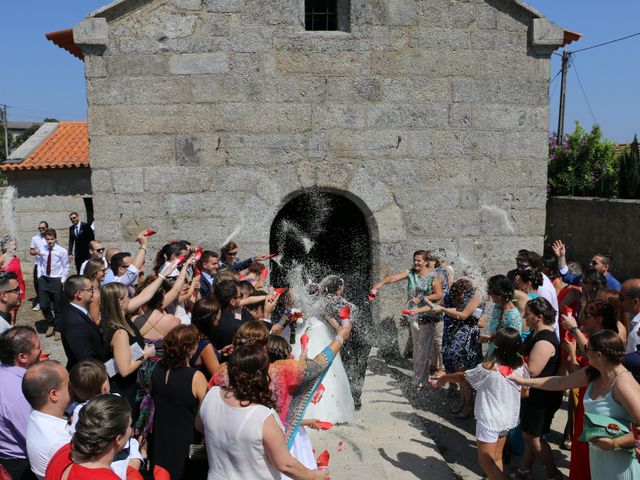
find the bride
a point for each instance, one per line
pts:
(333, 401)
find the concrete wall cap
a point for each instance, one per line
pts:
(33, 142)
(546, 34)
(91, 31)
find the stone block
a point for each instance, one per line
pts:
(139, 90)
(390, 222)
(371, 190)
(265, 118)
(224, 6)
(101, 180)
(514, 198)
(353, 90)
(449, 14)
(198, 63)
(177, 179)
(427, 198)
(331, 174)
(91, 32)
(429, 63)
(212, 25)
(403, 12)
(460, 115)
(127, 180)
(136, 65)
(431, 38)
(149, 119)
(442, 223)
(126, 151)
(498, 40)
(340, 63)
(510, 117)
(338, 116)
(250, 39)
(198, 204)
(267, 88)
(397, 172)
(416, 90)
(424, 115)
(500, 90)
(188, 4)
(207, 88)
(95, 66)
(546, 34)
(199, 150)
(452, 143)
(514, 173)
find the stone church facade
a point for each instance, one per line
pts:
(430, 115)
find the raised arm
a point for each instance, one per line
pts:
(138, 260)
(172, 294)
(575, 380)
(389, 279)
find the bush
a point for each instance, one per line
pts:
(583, 164)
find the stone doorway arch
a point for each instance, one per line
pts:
(325, 232)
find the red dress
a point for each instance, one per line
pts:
(61, 460)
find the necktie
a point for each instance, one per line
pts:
(77, 230)
(49, 262)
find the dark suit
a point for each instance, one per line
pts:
(81, 242)
(227, 328)
(81, 337)
(205, 287)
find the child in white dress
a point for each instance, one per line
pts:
(497, 405)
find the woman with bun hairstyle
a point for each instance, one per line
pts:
(102, 431)
(505, 314)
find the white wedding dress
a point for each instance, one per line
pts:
(336, 404)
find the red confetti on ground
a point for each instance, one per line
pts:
(340, 444)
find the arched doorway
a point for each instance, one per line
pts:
(325, 233)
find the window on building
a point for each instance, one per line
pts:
(327, 15)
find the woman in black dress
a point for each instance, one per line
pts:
(119, 336)
(542, 354)
(177, 389)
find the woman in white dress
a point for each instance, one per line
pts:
(333, 401)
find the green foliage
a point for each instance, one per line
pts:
(11, 142)
(629, 175)
(583, 164)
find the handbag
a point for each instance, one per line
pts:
(197, 452)
(599, 426)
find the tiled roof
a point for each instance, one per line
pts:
(66, 147)
(64, 39)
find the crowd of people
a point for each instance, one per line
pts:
(196, 367)
(552, 327)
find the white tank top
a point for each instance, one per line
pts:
(234, 439)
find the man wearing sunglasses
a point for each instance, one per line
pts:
(96, 250)
(38, 244)
(9, 298)
(80, 234)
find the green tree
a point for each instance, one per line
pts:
(583, 164)
(629, 175)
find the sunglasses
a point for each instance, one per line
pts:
(13, 290)
(100, 250)
(90, 289)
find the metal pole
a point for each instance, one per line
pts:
(563, 90)
(6, 135)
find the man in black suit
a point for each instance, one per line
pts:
(80, 234)
(81, 337)
(208, 270)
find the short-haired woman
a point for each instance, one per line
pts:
(243, 433)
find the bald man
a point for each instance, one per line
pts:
(630, 301)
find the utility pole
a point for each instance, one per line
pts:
(563, 93)
(6, 135)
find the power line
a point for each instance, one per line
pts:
(607, 43)
(573, 63)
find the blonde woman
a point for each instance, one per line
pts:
(120, 335)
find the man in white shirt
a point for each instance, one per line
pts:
(46, 388)
(53, 270)
(38, 243)
(125, 269)
(630, 301)
(96, 250)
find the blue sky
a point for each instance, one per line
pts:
(40, 80)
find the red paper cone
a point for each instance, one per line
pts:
(324, 425)
(272, 255)
(160, 473)
(406, 311)
(263, 274)
(569, 336)
(280, 291)
(181, 259)
(148, 233)
(304, 341)
(44, 356)
(198, 254)
(323, 460)
(345, 313)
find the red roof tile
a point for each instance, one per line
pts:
(67, 147)
(64, 39)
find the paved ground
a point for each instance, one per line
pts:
(399, 434)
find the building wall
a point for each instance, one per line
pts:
(47, 195)
(597, 225)
(208, 115)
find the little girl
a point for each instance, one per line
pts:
(497, 405)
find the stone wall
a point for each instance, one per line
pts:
(597, 225)
(47, 195)
(209, 114)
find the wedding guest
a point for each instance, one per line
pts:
(53, 262)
